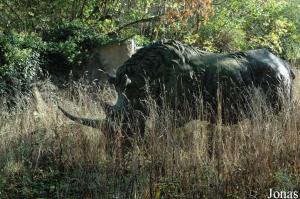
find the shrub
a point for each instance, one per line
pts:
(69, 46)
(19, 62)
(253, 24)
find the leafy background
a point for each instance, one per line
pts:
(57, 34)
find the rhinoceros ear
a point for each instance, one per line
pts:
(111, 78)
(127, 80)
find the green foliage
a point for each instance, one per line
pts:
(63, 47)
(236, 25)
(70, 30)
(81, 33)
(292, 40)
(19, 62)
(35, 15)
(69, 45)
(239, 25)
(141, 40)
(151, 18)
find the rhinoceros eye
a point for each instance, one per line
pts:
(134, 91)
(132, 88)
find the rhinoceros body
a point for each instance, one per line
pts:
(177, 75)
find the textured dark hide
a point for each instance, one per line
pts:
(176, 76)
(183, 74)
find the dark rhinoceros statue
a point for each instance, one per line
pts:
(176, 75)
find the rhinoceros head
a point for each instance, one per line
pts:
(120, 85)
(122, 106)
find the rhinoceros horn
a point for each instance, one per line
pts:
(118, 108)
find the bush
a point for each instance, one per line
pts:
(253, 24)
(19, 62)
(69, 46)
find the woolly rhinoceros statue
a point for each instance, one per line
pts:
(176, 75)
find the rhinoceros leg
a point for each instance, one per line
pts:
(95, 123)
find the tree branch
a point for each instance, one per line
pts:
(154, 18)
(80, 15)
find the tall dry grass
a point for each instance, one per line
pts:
(45, 155)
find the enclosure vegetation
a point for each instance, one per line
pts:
(44, 155)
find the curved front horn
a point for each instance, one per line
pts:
(95, 123)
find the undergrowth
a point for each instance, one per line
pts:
(44, 155)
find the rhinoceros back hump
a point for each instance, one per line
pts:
(168, 64)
